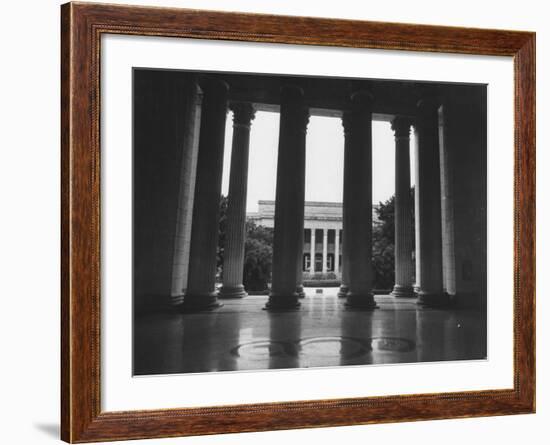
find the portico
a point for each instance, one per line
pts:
(322, 242)
(435, 256)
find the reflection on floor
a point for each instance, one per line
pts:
(242, 336)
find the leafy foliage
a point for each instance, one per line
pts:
(221, 235)
(383, 244)
(383, 261)
(258, 251)
(258, 254)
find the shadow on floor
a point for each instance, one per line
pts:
(49, 429)
(242, 336)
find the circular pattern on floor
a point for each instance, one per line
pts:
(335, 346)
(393, 344)
(260, 349)
(346, 347)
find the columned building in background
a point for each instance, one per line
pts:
(322, 236)
(179, 134)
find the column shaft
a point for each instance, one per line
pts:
(337, 251)
(289, 202)
(358, 201)
(201, 292)
(300, 267)
(233, 261)
(343, 291)
(325, 249)
(403, 211)
(446, 119)
(428, 210)
(191, 127)
(312, 252)
(301, 196)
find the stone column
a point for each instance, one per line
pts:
(190, 146)
(312, 252)
(337, 251)
(201, 292)
(300, 268)
(446, 161)
(343, 291)
(428, 206)
(301, 197)
(289, 204)
(404, 272)
(325, 249)
(233, 261)
(358, 201)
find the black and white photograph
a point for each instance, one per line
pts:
(294, 222)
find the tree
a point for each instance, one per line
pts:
(221, 235)
(383, 262)
(258, 255)
(383, 243)
(258, 251)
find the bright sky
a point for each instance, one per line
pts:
(324, 159)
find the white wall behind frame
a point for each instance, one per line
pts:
(29, 184)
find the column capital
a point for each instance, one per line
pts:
(291, 92)
(360, 103)
(428, 104)
(302, 118)
(210, 84)
(427, 112)
(346, 121)
(243, 113)
(401, 127)
(292, 96)
(361, 99)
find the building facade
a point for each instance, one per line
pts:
(322, 236)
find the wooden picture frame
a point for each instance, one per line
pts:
(82, 25)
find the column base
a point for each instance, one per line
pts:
(177, 300)
(343, 291)
(282, 303)
(199, 302)
(231, 292)
(362, 302)
(300, 291)
(433, 299)
(403, 292)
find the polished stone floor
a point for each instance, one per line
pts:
(242, 336)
